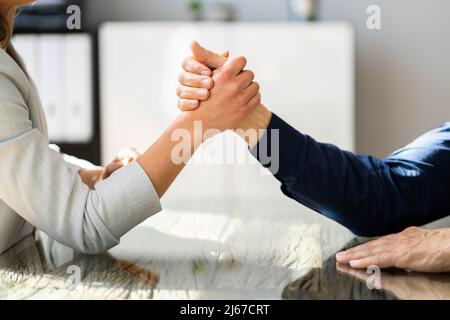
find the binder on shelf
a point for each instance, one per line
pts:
(51, 78)
(27, 47)
(61, 67)
(78, 89)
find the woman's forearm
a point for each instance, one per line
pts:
(165, 159)
(162, 162)
(229, 102)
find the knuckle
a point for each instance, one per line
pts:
(226, 74)
(179, 91)
(377, 260)
(234, 88)
(411, 229)
(219, 76)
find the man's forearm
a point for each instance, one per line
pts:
(370, 196)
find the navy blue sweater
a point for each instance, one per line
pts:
(369, 196)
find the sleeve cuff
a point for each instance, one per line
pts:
(280, 148)
(129, 198)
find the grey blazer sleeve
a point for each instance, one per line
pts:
(39, 185)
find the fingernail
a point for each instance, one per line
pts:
(353, 263)
(193, 102)
(341, 254)
(206, 82)
(205, 73)
(204, 94)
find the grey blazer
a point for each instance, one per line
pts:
(41, 188)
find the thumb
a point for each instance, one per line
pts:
(208, 58)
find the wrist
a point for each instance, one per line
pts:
(202, 125)
(90, 176)
(195, 130)
(253, 127)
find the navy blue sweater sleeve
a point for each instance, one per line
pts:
(370, 196)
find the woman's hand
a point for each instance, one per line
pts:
(91, 176)
(125, 156)
(414, 249)
(195, 80)
(228, 96)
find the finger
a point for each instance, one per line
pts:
(134, 152)
(366, 245)
(383, 260)
(357, 273)
(194, 80)
(235, 65)
(358, 251)
(246, 78)
(355, 255)
(184, 92)
(128, 160)
(208, 58)
(111, 168)
(188, 105)
(250, 92)
(128, 153)
(191, 65)
(253, 103)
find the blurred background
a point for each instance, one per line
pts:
(320, 67)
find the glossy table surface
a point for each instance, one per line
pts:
(216, 249)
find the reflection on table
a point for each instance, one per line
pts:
(339, 281)
(224, 249)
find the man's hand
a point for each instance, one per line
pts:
(198, 83)
(414, 249)
(233, 95)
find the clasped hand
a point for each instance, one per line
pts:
(227, 93)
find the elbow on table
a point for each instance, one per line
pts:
(94, 244)
(93, 250)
